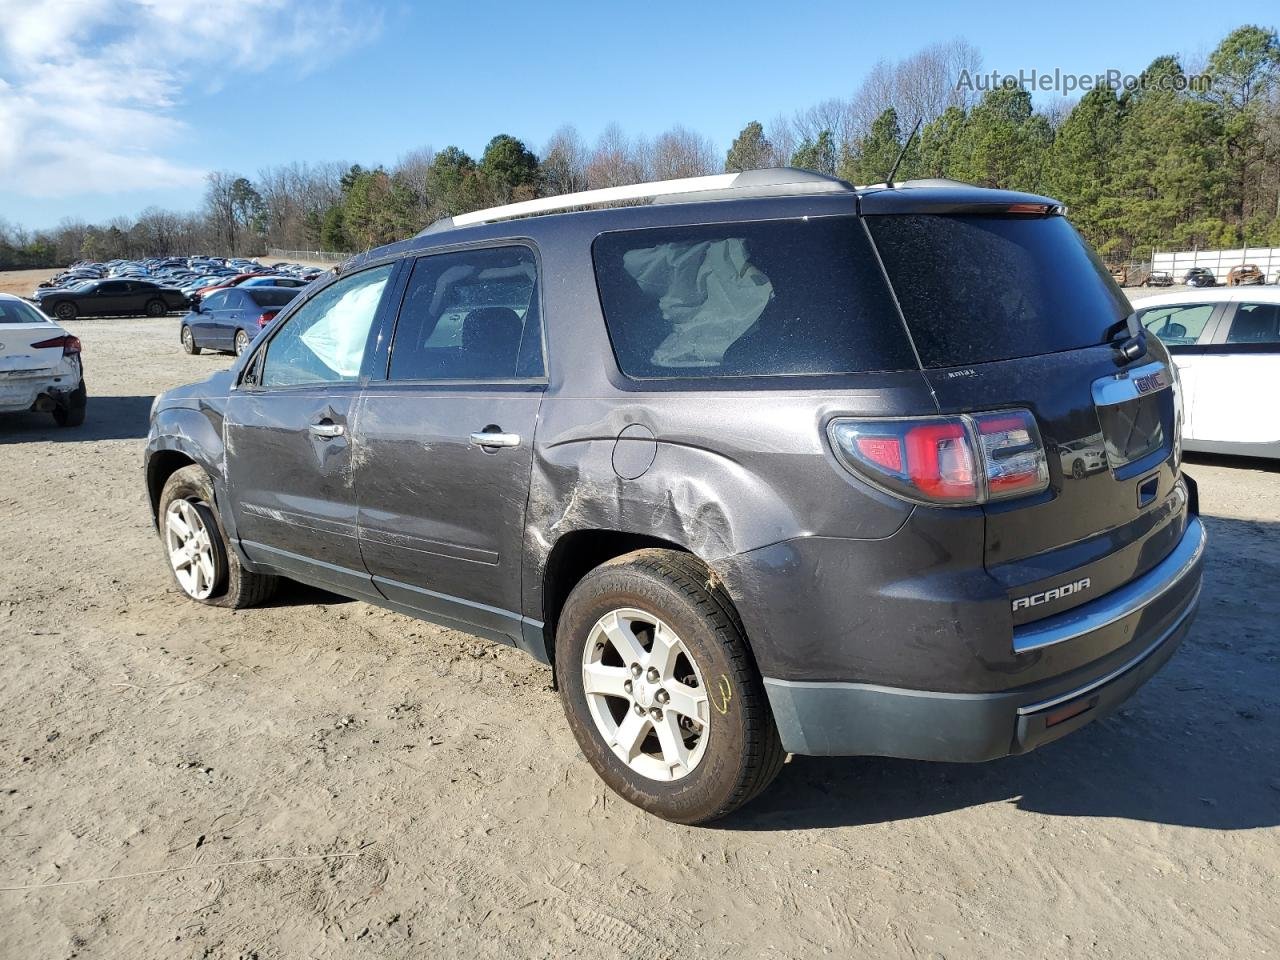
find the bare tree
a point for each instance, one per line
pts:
(681, 152)
(564, 163)
(617, 160)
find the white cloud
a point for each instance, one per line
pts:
(89, 89)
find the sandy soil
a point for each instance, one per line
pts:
(324, 779)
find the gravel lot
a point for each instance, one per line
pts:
(324, 779)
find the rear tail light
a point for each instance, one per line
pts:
(266, 317)
(70, 345)
(957, 460)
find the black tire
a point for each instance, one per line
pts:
(743, 753)
(155, 308)
(66, 310)
(1077, 469)
(188, 338)
(72, 413)
(235, 587)
(241, 342)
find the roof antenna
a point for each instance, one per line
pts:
(888, 181)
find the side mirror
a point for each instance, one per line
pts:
(195, 307)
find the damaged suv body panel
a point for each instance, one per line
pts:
(673, 376)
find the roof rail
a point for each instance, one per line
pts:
(772, 182)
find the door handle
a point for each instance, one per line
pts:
(496, 439)
(327, 429)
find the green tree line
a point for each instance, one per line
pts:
(1166, 162)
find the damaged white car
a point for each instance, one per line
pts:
(40, 367)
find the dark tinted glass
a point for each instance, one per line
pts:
(1256, 323)
(469, 316)
(981, 288)
(748, 299)
(271, 296)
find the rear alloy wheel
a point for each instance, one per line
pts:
(650, 705)
(202, 565)
(66, 311)
(155, 308)
(660, 689)
(189, 341)
(241, 342)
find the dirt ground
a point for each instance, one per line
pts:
(320, 778)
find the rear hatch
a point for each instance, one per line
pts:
(1014, 310)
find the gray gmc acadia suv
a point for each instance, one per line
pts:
(770, 464)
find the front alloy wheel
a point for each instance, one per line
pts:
(191, 552)
(645, 694)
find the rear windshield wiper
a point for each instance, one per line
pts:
(1134, 343)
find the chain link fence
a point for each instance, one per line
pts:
(312, 256)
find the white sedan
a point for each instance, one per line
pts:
(39, 364)
(1226, 345)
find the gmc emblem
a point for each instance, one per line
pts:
(1057, 593)
(1151, 382)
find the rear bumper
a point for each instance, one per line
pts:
(833, 718)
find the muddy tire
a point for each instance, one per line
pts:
(202, 565)
(660, 688)
(71, 414)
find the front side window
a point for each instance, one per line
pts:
(471, 315)
(324, 341)
(1256, 323)
(1177, 325)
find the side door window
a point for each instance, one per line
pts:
(1177, 325)
(324, 341)
(470, 316)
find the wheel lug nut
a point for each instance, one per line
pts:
(639, 710)
(662, 696)
(656, 713)
(652, 675)
(635, 669)
(626, 685)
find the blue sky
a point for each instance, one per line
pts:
(100, 121)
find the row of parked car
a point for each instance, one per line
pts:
(157, 286)
(1143, 276)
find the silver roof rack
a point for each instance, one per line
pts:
(772, 182)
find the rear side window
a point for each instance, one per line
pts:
(748, 299)
(1256, 323)
(271, 296)
(471, 315)
(979, 288)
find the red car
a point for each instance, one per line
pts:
(235, 281)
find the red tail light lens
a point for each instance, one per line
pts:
(267, 317)
(70, 345)
(957, 460)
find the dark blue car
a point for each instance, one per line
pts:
(229, 319)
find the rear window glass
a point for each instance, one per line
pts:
(271, 296)
(15, 311)
(748, 299)
(981, 288)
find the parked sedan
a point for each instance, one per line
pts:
(98, 298)
(40, 366)
(1226, 346)
(229, 319)
(1200, 277)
